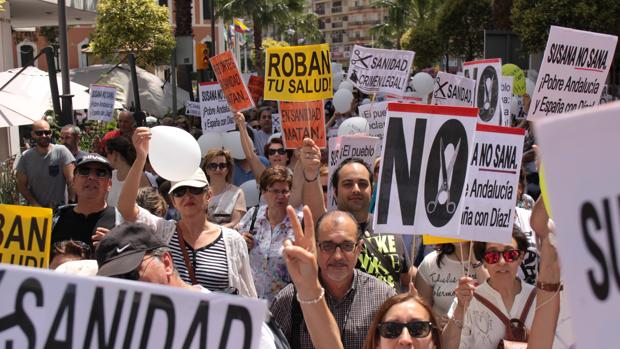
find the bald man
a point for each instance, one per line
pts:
(45, 171)
(126, 126)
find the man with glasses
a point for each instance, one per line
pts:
(45, 172)
(92, 181)
(353, 297)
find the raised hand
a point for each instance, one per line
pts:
(465, 291)
(310, 157)
(239, 120)
(141, 138)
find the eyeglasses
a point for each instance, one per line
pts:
(214, 166)
(280, 151)
(43, 132)
(99, 172)
(279, 192)
(492, 257)
(181, 191)
(330, 247)
(417, 329)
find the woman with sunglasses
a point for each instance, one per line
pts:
(276, 153)
(227, 205)
(204, 253)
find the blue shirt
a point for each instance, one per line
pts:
(240, 176)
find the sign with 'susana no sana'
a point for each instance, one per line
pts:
(374, 70)
(215, 113)
(450, 89)
(101, 105)
(44, 309)
(573, 71)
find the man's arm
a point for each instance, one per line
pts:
(22, 187)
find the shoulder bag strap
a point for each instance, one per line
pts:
(493, 309)
(188, 265)
(254, 214)
(528, 305)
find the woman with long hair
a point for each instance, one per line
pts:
(121, 155)
(227, 205)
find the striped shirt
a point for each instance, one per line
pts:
(209, 262)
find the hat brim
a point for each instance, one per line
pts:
(188, 183)
(121, 265)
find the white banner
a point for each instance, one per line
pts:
(101, 106)
(492, 179)
(505, 94)
(342, 148)
(423, 172)
(44, 309)
(487, 73)
(192, 108)
(584, 202)
(374, 113)
(573, 71)
(374, 70)
(215, 112)
(454, 90)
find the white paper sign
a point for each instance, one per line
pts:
(215, 112)
(342, 148)
(375, 114)
(492, 179)
(584, 205)
(192, 108)
(276, 122)
(101, 106)
(487, 73)
(454, 90)
(374, 70)
(505, 94)
(423, 172)
(41, 308)
(573, 71)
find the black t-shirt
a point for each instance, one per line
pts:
(69, 225)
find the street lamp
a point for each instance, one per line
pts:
(291, 33)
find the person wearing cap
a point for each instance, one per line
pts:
(92, 180)
(203, 252)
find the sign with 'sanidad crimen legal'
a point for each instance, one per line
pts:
(374, 70)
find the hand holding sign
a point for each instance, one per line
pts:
(310, 158)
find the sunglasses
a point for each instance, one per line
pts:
(180, 192)
(279, 192)
(99, 172)
(417, 329)
(43, 132)
(492, 257)
(330, 247)
(214, 166)
(280, 151)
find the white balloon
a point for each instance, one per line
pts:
(342, 100)
(173, 153)
(337, 78)
(353, 126)
(514, 105)
(250, 190)
(422, 83)
(210, 140)
(346, 84)
(232, 142)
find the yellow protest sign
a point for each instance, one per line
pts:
(298, 73)
(435, 240)
(25, 235)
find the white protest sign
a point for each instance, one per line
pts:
(374, 70)
(374, 113)
(276, 122)
(215, 112)
(492, 179)
(584, 201)
(487, 74)
(101, 106)
(423, 172)
(345, 147)
(573, 71)
(453, 90)
(192, 108)
(41, 308)
(505, 94)
(409, 97)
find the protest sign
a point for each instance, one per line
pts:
(215, 113)
(25, 235)
(586, 205)
(345, 147)
(44, 309)
(374, 70)
(228, 75)
(453, 90)
(302, 120)
(375, 114)
(276, 122)
(256, 84)
(436, 240)
(192, 108)
(505, 94)
(426, 150)
(298, 73)
(409, 97)
(487, 74)
(492, 179)
(573, 71)
(101, 105)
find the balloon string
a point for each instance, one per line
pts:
(461, 258)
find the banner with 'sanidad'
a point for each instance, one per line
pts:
(450, 89)
(374, 70)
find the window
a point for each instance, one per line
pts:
(82, 56)
(206, 10)
(320, 9)
(337, 6)
(26, 51)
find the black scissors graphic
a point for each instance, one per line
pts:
(446, 176)
(362, 60)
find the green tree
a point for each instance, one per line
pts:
(306, 26)
(461, 26)
(532, 18)
(425, 41)
(137, 26)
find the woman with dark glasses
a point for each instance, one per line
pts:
(276, 153)
(204, 253)
(227, 205)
